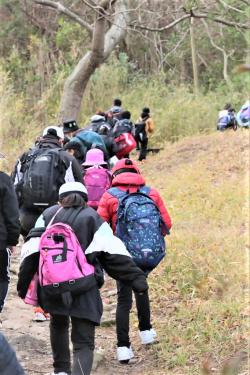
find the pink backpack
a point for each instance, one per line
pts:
(31, 295)
(63, 267)
(97, 180)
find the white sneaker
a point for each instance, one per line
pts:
(41, 317)
(148, 336)
(153, 333)
(59, 373)
(124, 354)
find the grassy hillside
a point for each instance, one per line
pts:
(198, 299)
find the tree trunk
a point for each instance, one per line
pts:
(102, 46)
(194, 57)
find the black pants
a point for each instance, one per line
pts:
(143, 149)
(83, 340)
(124, 305)
(4, 275)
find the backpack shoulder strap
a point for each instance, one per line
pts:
(53, 217)
(117, 193)
(145, 190)
(68, 216)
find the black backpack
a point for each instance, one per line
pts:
(140, 132)
(42, 178)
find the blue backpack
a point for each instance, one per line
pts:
(139, 226)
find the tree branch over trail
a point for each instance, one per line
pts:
(67, 12)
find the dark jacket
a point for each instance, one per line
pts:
(69, 164)
(110, 144)
(89, 139)
(9, 364)
(9, 216)
(101, 247)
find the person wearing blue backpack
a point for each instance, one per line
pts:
(140, 219)
(226, 118)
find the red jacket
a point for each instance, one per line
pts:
(128, 181)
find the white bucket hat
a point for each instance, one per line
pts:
(58, 130)
(73, 187)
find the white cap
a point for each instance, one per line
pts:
(96, 118)
(73, 187)
(59, 131)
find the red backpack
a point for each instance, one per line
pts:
(125, 144)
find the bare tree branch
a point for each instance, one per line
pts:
(211, 38)
(188, 15)
(245, 2)
(167, 27)
(225, 5)
(225, 55)
(62, 9)
(100, 8)
(221, 20)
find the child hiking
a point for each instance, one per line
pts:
(75, 245)
(143, 128)
(226, 118)
(138, 216)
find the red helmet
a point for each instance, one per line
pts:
(125, 165)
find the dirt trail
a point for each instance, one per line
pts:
(31, 339)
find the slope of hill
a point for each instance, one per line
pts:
(197, 292)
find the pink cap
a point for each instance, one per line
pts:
(94, 157)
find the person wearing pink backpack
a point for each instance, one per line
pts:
(96, 176)
(75, 245)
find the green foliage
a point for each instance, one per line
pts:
(71, 38)
(17, 122)
(14, 29)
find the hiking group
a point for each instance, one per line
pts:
(228, 118)
(83, 213)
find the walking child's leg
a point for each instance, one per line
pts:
(143, 311)
(124, 304)
(143, 151)
(59, 338)
(4, 275)
(83, 339)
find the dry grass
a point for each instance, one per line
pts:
(198, 298)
